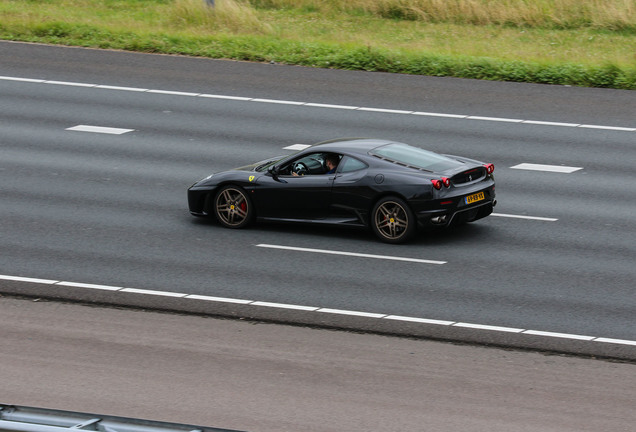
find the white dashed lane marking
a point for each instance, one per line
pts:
(547, 168)
(351, 254)
(99, 129)
(297, 147)
(512, 216)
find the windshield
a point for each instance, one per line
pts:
(265, 165)
(414, 156)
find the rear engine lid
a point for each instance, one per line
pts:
(417, 158)
(469, 176)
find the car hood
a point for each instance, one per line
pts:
(214, 178)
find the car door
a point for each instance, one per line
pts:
(286, 196)
(351, 192)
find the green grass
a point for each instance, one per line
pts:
(545, 42)
(574, 14)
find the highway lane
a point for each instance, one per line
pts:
(259, 378)
(455, 96)
(110, 209)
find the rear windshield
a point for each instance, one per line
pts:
(415, 157)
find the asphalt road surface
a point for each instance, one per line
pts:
(272, 378)
(98, 148)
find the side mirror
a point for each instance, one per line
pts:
(273, 170)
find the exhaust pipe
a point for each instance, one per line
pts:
(438, 219)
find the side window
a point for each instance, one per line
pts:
(311, 164)
(349, 164)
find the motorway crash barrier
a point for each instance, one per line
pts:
(28, 419)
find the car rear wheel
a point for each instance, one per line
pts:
(232, 207)
(392, 220)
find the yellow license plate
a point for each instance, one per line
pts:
(474, 198)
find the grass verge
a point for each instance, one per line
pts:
(330, 34)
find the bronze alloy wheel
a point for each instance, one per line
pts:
(393, 220)
(232, 207)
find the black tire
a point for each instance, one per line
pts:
(232, 207)
(392, 220)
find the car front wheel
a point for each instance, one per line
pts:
(232, 207)
(392, 220)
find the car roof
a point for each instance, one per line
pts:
(351, 145)
(363, 148)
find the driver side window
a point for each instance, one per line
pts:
(313, 164)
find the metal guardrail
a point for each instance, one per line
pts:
(28, 419)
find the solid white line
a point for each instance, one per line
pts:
(488, 327)
(383, 110)
(99, 129)
(218, 299)
(324, 310)
(90, 286)
(173, 93)
(130, 89)
(548, 168)
(275, 101)
(353, 254)
(430, 114)
(615, 128)
(72, 84)
(547, 123)
(351, 313)
(538, 218)
(284, 306)
(30, 280)
(322, 105)
(495, 119)
(616, 341)
(419, 320)
(558, 335)
(152, 292)
(29, 80)
(236, 98)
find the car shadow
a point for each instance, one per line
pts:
(467, 233)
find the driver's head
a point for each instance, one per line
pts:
(332, 160)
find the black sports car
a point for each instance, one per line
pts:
(391, 187)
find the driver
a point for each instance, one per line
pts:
(331, 161)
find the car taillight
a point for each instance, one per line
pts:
(437, 184)
(446, 181)
(490, 168)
